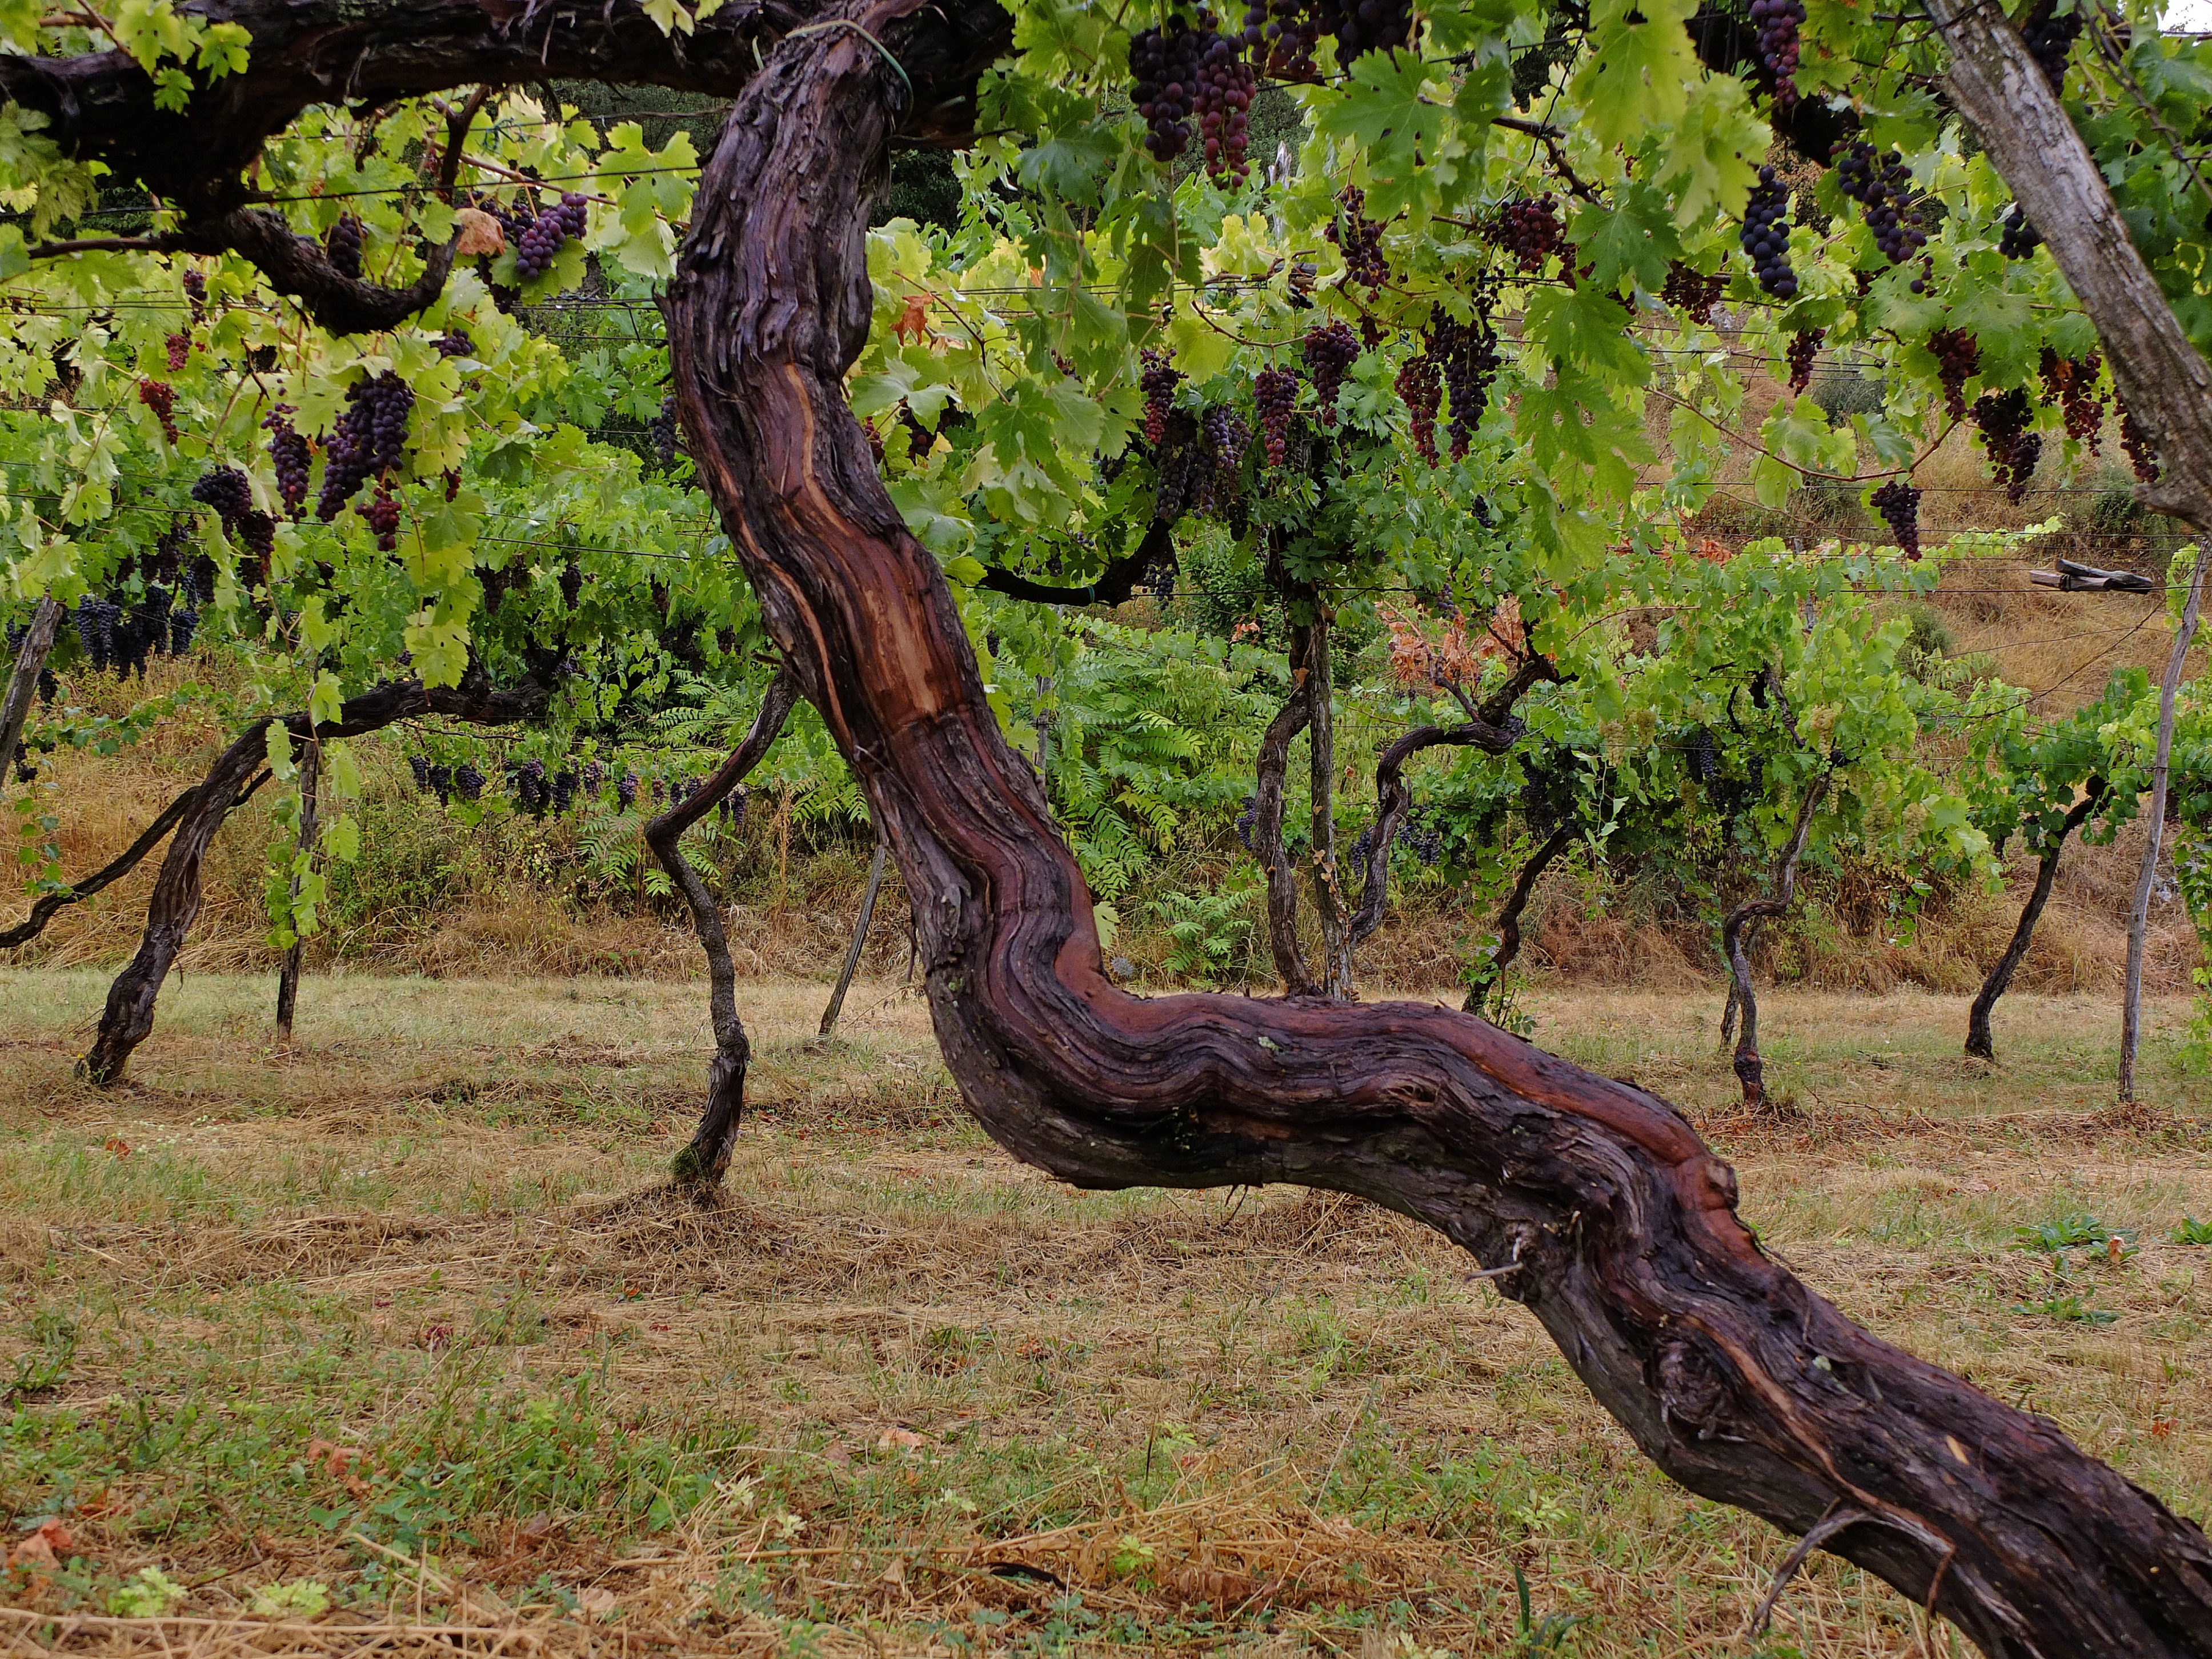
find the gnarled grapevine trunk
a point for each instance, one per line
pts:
(703, 1163)
(23, 680)
(1979, 1043)
(1617, 1223)
(1750, 1068)
(127, 1018)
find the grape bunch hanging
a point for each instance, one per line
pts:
(1803, 352)
(2071, 383)
(1226, 438)
(1899, 503)
(1958, 355)
(1778, 23)
(162, 397)
(1766, 236)
(1360, 239)
(289, 451)
(342, 245)
(371, 440)
(2136, 438)
(120, 635)
(1363, 26)
(1165, 65)
(2016, 238)
(1329, 352)
(2005, 420)
(1420, 385)
(225, 488)
(1692, 291)
(381, 512)
(664, 433)
(1881, 186)
(1177, 460)
(1466, 354)
(179, 349)
(1158, 382)
(1528, 228)
(1281, 35)
(1225, 85)
(540, 240)
(1275, 390)
(2049, 40)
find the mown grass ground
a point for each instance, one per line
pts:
(396, 1312)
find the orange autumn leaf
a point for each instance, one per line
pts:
(912, 323)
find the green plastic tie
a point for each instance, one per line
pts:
(847, 23)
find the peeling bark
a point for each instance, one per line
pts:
(1616, 1223)
(703, 1163)
(1979, 1043)
(128, 1018)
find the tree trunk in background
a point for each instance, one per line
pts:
(175, 905)
(288, 977)
(860, 942)
(2164, 381)
(23, 683)
(1321, 736)
(1750, 1068)
(1606, 1216)
(1979, 1043)
(702, 1164)
(1274, 762)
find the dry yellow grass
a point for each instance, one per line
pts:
(901, 1396)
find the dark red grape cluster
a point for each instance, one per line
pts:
(196, 294)
(1224, 102)
(1778, 23)
(1227, 438)
(1360, 238)
(1528, 228)
(1881, 185)
(179, 348)
(1275, 390)
(1804, 350)
(1177, 457)
(2006, 421)
(289, 451)
(1766, 236)
(1329, 352)
(1958, 355)
(2050, 39)
(1693, 291)
(1364, 26)
(1159, 381)
(541, 238)
(2137, 440)
(1420, 384)
(371, 440)
(1281, 35)
(2071, 383)
(342, 245)
(382, 512)
(1899, 503)
(162, 397)
(224, 489)
(1467, 356)
(663, 432)
(455, 344)
(1166, 65)
(2016, 238)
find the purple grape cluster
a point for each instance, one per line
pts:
(196, 294)
(1528, 228)
(2006, 421)
(1693, 291)
(289, 451)
(1766, 236)
(1223, 102)
(1778, 23)
(1247, 821)
(1363, 26)
(468, 782)
(1275, 390)
(2016, 238)
(1804, 350)
(371, 440)
(1166, 65)
(342, 245)
(1420, 384)
(541, 237)
(456, 343)
(1179, 462)
(1881, 186)
(1158, 381)
(526, 786)
(2049, 40)
(1282, 35)
(1899, 503)
(2136, 438)
(664, 434)
(162, 397)
(2071, 383)
(1360, 239)
(1467, 356)
(224, 489)
(381, 511)
(1329, 352)
(1958, 355)
(626, 790)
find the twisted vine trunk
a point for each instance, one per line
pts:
(703, 1163)
(1979, 1043)
(1274, 762)
(23, 683)
(1509, 918)
(288, 977)
(175, 905)
(1617, 1225)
